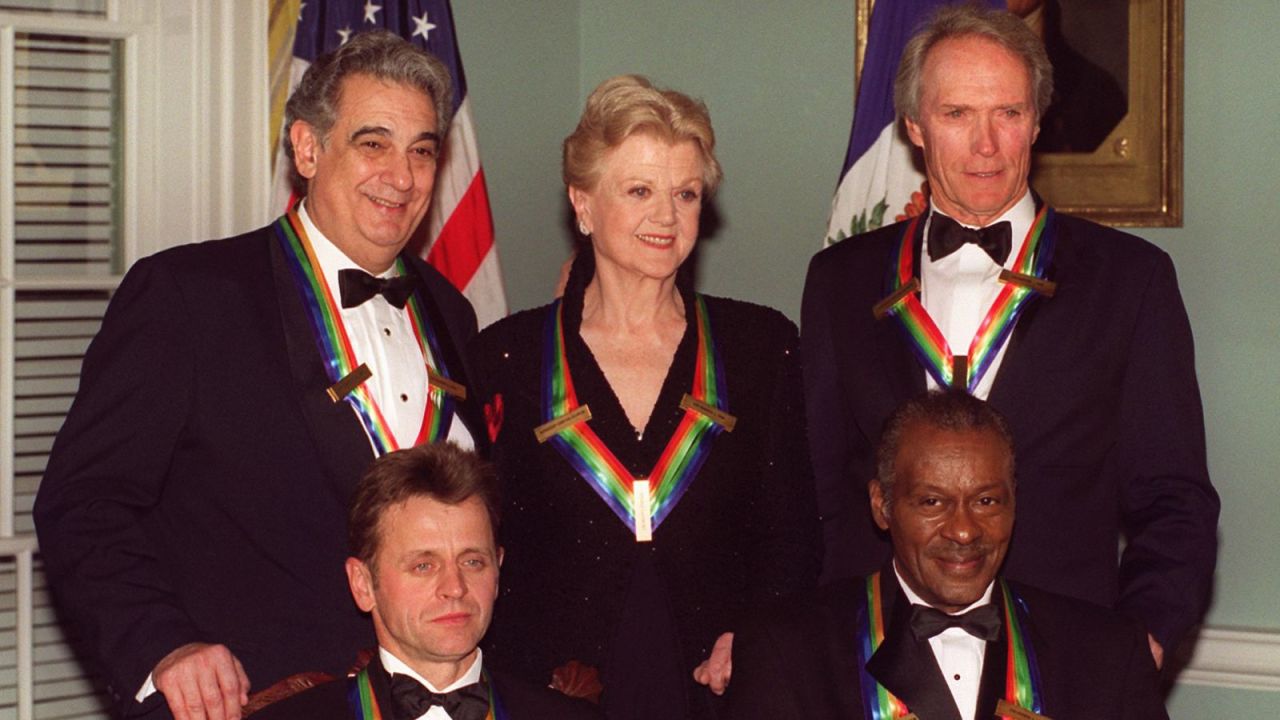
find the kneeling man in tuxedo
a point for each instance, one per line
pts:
(937, 634)
(424, 564)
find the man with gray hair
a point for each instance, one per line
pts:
(192, 514)
(1076, 332)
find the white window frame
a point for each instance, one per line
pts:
(195, 165)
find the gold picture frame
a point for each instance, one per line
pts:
(1134, 177)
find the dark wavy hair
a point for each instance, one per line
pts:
(379, 54)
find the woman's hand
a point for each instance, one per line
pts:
(714, 672)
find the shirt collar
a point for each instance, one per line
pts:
(329, 255)
(917, 600)
(396, 666)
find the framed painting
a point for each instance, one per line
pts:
(1110, 146)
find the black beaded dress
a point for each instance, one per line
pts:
(575, 584)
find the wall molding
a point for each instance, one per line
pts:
(1236, 658)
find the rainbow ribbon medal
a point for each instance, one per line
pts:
(1022, 675)
(565, 427)
(930, 347)
(335, 347)
(365, 706)
(879, 703)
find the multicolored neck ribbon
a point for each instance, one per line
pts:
(706, 416)
(364, 705)
(877, 702)
(923, 335)
(1022, 674)
(335, 347)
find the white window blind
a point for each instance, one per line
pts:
(72, 8)
(51, 333)
(59, 260)
(64, 168)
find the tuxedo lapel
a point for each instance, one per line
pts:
(337, 434)
(468, 411)
(1045, 333)
(904, 375)
(380, 684)
(992, 686)
(906, 666)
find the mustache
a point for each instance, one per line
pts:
(957, 553)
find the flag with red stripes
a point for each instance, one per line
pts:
(457, 235)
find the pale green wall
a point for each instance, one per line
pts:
(521, 63)
(1228, 261)
(778, 78)
(779, 85)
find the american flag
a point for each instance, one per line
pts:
(457, 235)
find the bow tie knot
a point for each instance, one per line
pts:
(946, 236)
(413, 700)
(357, 286)
(982, 622)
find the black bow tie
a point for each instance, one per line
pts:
(356, 286)
(412, 700)
(946, 236)
(983, 622)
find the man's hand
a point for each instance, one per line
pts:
(1157, 651)
(202, 682)
(714, 672)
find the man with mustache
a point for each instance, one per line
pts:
(936, 632)
(424, 564)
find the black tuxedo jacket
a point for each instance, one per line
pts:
(198, 489)
(802, 662)
(519, 701)
(1099, 387)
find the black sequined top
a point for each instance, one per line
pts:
(575, 583)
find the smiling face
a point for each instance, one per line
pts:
(976, 127)
(951, 513)
(369, 180)
(642, 214)
(431, 586)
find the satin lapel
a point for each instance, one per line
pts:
(469, 411)
(380, 683)
(906, 666)
(841, 641)
(992, 686)
(904, 375)
(340, 440)
(1044, 333)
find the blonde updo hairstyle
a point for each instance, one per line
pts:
(627, 105)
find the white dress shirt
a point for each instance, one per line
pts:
(959, 289)
(395, 666)
(959, 654)
(382, 337)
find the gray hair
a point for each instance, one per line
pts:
(968, 20)
(953, 410)
(380, 54)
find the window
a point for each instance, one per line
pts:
(89, 90)
(60, 257)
